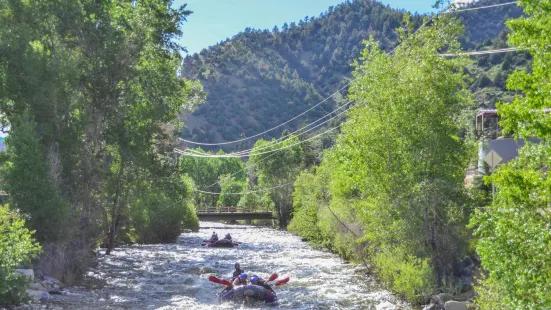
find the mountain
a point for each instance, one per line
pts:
(261, 78)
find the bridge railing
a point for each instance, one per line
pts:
(229, 209)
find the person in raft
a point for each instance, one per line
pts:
(214, 237)
(237, 271)
(260, 282)
(228, 236)
(240, 280)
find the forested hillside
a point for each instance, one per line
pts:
(261, 78)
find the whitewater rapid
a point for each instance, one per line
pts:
(175, 276)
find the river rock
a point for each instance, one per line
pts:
(27, 272)
(455, 305)
(52, 285)
(37, 286)
(39, 296)
(38, 274)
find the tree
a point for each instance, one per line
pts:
(92, 91)
(278, 169)
(394, 187)
(230, 190)
(514, 229)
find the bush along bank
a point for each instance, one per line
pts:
(391, 191)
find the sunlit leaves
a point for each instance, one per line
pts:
(514, 234)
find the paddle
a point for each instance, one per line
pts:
(219, 281)
(272, 277)
(281, 282)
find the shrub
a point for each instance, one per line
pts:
(406, 274)
(17, 247)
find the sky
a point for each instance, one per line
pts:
(215, 20)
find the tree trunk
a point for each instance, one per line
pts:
(116, 211)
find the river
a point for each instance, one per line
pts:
(175, 276)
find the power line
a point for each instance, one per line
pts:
(487, 52)
(302, 131)
(483, 7)
(242, 193)
(253, 154)
(273, 128)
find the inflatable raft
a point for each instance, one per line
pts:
(222, 243)
(248, 293)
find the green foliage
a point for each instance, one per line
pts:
(308, 196)
(514, 230)
(406, 274)
(207, 173)
(230, 187)
(278, 169)
(17, 247)
(410, 174)
(29, 181)
(92, 92)
(391, 189)
(513, 243)
(156, 214)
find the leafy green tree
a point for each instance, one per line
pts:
(230, 187)
(97, 82)
(514, 229)
(278, 168)
(310, 197)
(393, 190)
(17, 247)
(28, 182)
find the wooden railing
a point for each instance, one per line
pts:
(230, 209)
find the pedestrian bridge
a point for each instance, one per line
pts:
(223, 213)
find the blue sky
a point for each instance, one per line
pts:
(215, 20)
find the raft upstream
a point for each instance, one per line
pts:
(223, 243)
